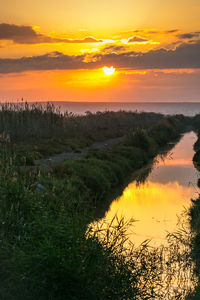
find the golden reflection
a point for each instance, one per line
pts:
(177, 162)
(154, 207)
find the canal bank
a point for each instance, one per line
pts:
(195, 223)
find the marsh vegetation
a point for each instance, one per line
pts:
(47, 250)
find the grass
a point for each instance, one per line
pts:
(23, 121)
(195, 243)
(195, 217)
(44, 251)
(101, 171)
(47, 248)
(38, 130)
(42, 130)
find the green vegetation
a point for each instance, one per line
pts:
(195, 244)
(24, 121)
(38, 130)
(196, 158)
(44, 252)
(195, 221)
(100, 171)
(48, 250)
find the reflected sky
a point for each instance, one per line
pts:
(156, 204)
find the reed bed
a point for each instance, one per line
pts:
(34, 120)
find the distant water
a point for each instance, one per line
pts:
(185, 108)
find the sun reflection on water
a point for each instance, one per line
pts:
(154, 208)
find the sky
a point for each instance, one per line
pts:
(58, 50)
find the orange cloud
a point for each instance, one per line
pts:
(137, 39)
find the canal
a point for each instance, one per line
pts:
(157, 204)
(158, 209)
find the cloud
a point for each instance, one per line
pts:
(113, 49)
(183, 57)
(171, 31)
(27, 35)
(50, 61)
(137, 39)
(190, 35)
(88, 39)
(149, 32)
(21, 34)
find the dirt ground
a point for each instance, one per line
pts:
(59, 158)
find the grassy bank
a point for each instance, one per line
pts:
(46, 251)
(195, 219)
(100, 171)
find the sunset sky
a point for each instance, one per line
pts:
(56, 50)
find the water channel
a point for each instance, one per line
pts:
(156, 204)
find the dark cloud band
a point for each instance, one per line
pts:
(185, 56)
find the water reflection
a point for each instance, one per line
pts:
(154, 207)
(155, 204)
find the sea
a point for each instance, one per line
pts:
(166, 108)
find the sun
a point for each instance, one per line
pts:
(109, 71)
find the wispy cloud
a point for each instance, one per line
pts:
(149, 32)
(189, 35)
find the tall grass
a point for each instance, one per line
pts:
(25, 121)
(195, 215)
(41, 130)
(167, 271)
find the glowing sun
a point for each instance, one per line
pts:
(109, 71)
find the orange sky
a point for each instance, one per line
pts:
(56, 51)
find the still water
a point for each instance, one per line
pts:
(156, 204)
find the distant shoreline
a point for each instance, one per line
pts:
(80, 108)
